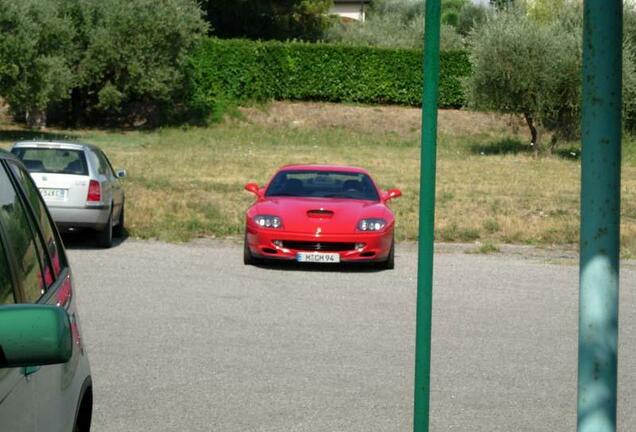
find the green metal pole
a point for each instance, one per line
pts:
(600, 215)
(427, 218)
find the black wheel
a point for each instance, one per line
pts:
(248, 258)
(118, 230)
(389, 264)
(85, 414)
(105, 236)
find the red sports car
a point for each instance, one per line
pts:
(321, 214)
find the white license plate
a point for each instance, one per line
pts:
(316, 257)
(53, 194)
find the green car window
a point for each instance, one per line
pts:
(6, 284)
(54, 258)
(20, 238)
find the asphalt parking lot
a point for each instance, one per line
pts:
(186, 338)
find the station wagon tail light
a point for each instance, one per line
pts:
(65, 293)
(94, 191)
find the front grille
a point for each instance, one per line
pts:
(318, 246)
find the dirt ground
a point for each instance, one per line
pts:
(403, 121)
(391, 119)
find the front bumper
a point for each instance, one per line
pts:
(376, 246)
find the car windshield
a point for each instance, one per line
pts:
(52, 160)
(323, 184)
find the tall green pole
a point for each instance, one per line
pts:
(600, 215)
(427, 218)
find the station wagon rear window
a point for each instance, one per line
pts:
(52, 160)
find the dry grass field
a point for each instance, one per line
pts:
(188, 182)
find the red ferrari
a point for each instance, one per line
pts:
(320, 214)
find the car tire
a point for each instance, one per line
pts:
(105, 236)
(248, 258)
(118, 230)
(85, 413)
(389, 263)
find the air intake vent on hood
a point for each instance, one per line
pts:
(321, 213)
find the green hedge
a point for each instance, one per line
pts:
(240, 70)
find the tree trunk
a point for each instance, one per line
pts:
(78, 108)
(534, 142)
(36, 118)
(553, 143)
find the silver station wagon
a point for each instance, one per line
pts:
(78, 184)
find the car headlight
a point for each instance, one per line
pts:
(267, 221)
(371, 224)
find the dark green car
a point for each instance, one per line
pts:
(45, 381)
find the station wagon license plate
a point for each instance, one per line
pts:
(53, 194)
(316, 257)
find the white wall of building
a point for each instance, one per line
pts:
(350, 10)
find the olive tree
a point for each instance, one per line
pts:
(546, 10)
(470, 16)
(530, 64)
(502, 4)
(398, 24)
(629, 67)
(131, 56)
(268, 19)
(36, 42)
(521, 66)
(451, 10)
(96, 61)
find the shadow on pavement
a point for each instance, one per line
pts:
(86, 240)
(325, 268)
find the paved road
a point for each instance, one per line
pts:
(185, 338)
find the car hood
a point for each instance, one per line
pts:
(329, 215)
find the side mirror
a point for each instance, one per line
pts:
(34, 335)
(121, 173)
(253, 187)
(392, 193)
